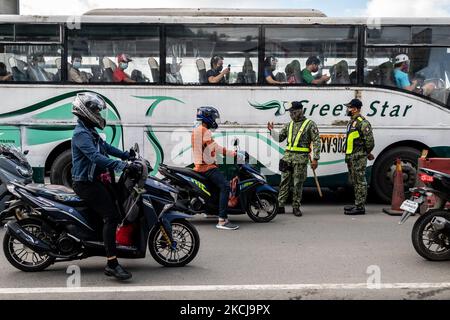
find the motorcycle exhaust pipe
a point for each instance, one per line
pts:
(440, 223)
(25, 237)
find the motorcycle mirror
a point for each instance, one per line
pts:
(26, 152)
(235, 142)
(136, 148)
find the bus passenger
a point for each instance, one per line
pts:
(401, 68)
(4, 74)
(36, 71)
(270, 65)
(75, 75)
(217, 74)
(119, 74)
(312, 66)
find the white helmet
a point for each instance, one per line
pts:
(401, 58)
(88, 107)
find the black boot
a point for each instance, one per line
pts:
(356, 211)
(349, 207)
(281, 210)
(118, 272)
(297, 212)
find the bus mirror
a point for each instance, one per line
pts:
(235, 142)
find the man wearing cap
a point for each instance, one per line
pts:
(119, 74)
(358, 147)
(300, 133)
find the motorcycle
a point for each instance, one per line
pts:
(251, 193)
(61, 227)
(431, 231)
(13, 167)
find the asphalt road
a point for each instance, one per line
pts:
(322, 255)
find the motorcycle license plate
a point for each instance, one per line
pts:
(409, 206)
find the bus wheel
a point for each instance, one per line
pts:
(61, 170)
(384, 169)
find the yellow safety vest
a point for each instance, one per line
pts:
(351, 137)
(294, 146)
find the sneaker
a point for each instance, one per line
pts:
(118, 272)
(227, 226)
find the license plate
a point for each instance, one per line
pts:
(409, 206)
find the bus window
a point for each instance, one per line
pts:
(190, 51)
(113, 53)
(34, 63)
(334, 48)
(424, 70)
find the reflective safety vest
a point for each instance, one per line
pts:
(352, 135)
(294, 146)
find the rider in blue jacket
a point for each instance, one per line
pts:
(90, 165)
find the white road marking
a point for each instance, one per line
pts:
(259, 287)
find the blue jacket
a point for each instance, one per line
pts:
(90, 154)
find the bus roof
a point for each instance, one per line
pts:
(207, 12)
(218, 16)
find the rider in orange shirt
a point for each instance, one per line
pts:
(204, 150)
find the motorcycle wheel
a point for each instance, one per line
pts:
(22, 257)
(267, 212)
(430, 244)
(184, 250)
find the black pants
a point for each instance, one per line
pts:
(100, 200)
(217, 178)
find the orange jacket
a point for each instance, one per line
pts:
(204, 149)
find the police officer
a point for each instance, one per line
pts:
(300, 133)
(358, 148)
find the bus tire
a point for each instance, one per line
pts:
(61, 169)
(382, 173)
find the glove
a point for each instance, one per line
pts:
(134, 169)
(132, 154)
(240, 156)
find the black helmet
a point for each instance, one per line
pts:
(87, 106)
(209, 115)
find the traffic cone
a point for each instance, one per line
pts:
(398, 192)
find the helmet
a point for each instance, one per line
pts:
(123, 57)
(210, 116)
(88, 107)
(401, 58)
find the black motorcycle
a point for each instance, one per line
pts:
(251, 193)
(13, 167)
(61, 228)
(431, 231)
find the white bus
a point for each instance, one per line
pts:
(171, 52)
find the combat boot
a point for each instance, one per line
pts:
(297, 212)
(356, 211)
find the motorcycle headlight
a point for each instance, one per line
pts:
(259, 177)
(23, 171)
(12, 190)
(174, 196)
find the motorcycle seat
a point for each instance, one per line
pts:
(57, 193)
(190, 173)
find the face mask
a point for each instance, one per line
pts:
(349, 112)
(77, 64)
(296, 115)
(219, 68)
(41, 64)
(123, 65)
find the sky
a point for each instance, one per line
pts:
(332, 8)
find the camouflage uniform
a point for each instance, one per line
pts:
(298, 161)
(356, 155)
